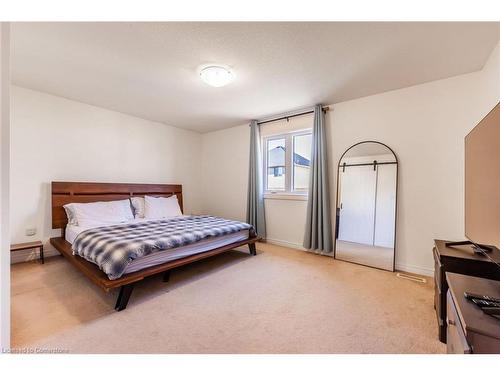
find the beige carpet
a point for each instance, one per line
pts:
(280, 301)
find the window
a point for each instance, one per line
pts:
(301, 161)
(276, 165)
(287, 162)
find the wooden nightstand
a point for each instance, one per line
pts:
(29, 245)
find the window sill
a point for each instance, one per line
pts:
(286, 196)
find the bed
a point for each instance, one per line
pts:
(147, 264)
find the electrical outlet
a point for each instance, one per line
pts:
(30, 231)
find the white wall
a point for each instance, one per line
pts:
(490, 81)
(224, 172)
(4, 185)
(55, 139)
(425, 125)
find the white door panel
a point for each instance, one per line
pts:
(385, 205)
(357, 202)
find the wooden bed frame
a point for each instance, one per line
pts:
(85, 192)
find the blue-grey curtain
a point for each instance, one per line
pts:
(318, 234)
(255, 198)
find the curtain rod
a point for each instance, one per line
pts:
(325, 109)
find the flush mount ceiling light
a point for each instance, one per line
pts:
(216, 75)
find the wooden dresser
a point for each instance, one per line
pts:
(470, 331)
(461, 260)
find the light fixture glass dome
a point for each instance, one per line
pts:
(216, 75)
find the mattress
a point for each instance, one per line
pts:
(160, 257)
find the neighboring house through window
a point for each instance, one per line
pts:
(287, 162)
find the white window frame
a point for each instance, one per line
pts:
(289, 192)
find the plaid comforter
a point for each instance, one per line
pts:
(112, 248)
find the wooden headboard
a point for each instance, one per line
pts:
(85, 192)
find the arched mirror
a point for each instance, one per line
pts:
(365, 231)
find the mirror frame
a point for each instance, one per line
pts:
(395, 211)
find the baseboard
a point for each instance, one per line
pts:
(294, 245)
(285, 244)
(29, 255)
(424, 271)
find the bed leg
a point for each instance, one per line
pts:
(123, 297)
(166, 276)
(251, 247)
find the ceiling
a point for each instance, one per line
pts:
(149, 70)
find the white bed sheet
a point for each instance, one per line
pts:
(159, 257)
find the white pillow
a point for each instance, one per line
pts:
(138, 205)
(103, 213)
(70, 213)
(159, 208)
